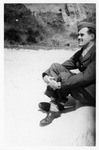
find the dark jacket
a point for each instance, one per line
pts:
(86, 65)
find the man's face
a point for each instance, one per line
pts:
(83, 37)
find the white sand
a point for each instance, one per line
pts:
(24, 89)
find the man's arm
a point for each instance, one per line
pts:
(80, 79)
(71, 63)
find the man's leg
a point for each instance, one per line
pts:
(55, 71)
(54, 100)
(56, 96)
(59, 95)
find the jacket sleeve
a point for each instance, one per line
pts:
(71, 63)
(45, 73)
(80, 79)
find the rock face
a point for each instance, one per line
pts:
(79, 11)
(71, 12)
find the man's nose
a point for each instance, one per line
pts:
(79, 36)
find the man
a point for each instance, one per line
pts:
(61, 81)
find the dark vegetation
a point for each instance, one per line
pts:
(21, 26)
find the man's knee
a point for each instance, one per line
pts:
(55, 66)
(58, 68)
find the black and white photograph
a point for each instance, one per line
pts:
(49, 74)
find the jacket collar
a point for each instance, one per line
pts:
(89, 54)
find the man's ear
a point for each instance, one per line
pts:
(93, 36)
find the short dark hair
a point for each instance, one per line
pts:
(92, 31)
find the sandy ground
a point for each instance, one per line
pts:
(24, 89)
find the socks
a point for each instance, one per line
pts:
(53, 107)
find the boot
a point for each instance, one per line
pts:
(45, 106)
(49, 118)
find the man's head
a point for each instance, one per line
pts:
(86, 33)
